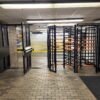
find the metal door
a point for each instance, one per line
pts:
(26, 44)
(51, 44)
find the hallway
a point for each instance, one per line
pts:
(49, 49)
(41, 84)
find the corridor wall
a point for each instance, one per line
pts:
(13, 46)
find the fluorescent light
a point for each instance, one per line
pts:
(25, 6)
(50, 5)
(56, 21)
(97, 21)
(69, 24)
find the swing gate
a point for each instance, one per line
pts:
(73, 47)
(4, 46)
(26, 44)
(51, 41)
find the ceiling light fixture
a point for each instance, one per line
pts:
(50, 5)
(69, 24)
(56, 21)
(97, 21)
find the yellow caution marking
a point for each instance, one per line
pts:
(38, 51)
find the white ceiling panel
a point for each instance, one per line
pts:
(12, 13)
(83, 12)
(16, 16)
(30, 14)
(64, 11)
(46, 11)
(2, 16)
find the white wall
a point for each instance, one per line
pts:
(39, 41)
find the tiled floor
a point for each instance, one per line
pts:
(41, 84)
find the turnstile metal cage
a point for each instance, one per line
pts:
(87, 46)
(57, 53)
(78, 46)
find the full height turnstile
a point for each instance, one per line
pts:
(87, 46)
(57, 52)
(69, 47)
(73, 47)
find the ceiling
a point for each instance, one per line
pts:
(17, 16)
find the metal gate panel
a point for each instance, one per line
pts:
(51, 42)
(26, 47)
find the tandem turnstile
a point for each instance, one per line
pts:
(73, 47)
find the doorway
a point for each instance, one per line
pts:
(39, 45)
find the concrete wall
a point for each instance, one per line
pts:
(13, 46)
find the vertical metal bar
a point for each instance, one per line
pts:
(88, 42)
(29, 43)
(24, 65)
(55, 52)
(85, 45)
(26, 33)
(80, 47)
(52, 35)
(3, 45)
(2, 36)
(48, 46)
(70, 32)
(97, 49)
(22, 37)
(96, 65)
(75, 50)
(29, 35)
(63, 47)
